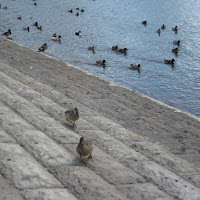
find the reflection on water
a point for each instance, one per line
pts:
(107, 23)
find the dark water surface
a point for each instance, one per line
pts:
(115, 22)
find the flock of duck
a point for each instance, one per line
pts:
(85, 147)
(115, 48)
(175, 42)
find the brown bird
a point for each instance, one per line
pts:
(39, 28)
(144, 22)
(158, 31)
(43, 48)
(7, 33)
(91, 48)
(84, 148)
(72, 115)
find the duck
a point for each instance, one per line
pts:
(169, 62)
(82, 10)
(135, 67)
(175, 50)
(43, 48)
(26, 28)
(158, 31)
(39, 28)
(0, 5)
(35, 4)
(175, 29)
(57, 38)
(77, 8)
(35, 24)
(20, 18)
(163, 27)
(84, 148)
(70, 11)
(91, 48)
(5, 7)
(78, 33)
(77, 14)
(114, 48)
(144, 22)
(177, 42)
(99, 62)
(54, 35)
(7, 33)
(124, 50)
(72, 115)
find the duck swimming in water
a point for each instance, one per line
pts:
(91, 48)
(114, 48)
(7, 33)
(124, 51)
(169, 62)
(175, 29)
(135, 67)
(175, 50)
(177, 42)
(57, 38)
(43, 48)
(26, 28)
(102, 63)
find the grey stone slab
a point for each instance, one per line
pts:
(169, 182)
(193, 178)
(49, 194)
(37, 117)
(44, 103)
(85, 184)
(113, 147)
(47, 151)
(144, 146)
(107, 167)
(5, 138)
(145, 191)
(20, 168)
(8, 192)
(159, 154)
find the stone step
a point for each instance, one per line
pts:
(167, 181)
(48, 194)
(151, 150)
(117, 180)
(44, 149)
(22, 170)
(7, 192)
(63, 135)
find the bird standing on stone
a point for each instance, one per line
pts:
(72, 115)
(84, 148)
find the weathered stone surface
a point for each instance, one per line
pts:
(37, 117)
(167, 181)
(108, 168)
(23, 170)
(7, 192)
(145, 191)
(85, 184)
(49, 194)
(113, 147)
(4, 137)
(37, 143)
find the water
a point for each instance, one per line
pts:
(106, 23)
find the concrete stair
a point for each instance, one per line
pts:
(38, 158)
